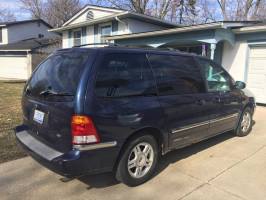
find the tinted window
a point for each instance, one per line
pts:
(59, 73)
(217, 78)
(176, 75)
(123, 75)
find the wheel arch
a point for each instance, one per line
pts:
(159, 136)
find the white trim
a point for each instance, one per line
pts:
(90, 7)
(125, 14)
(86, 23)
(16, 50)
(250, 29)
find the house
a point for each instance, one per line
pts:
(19, 43)
(92, 23)
(240, 46)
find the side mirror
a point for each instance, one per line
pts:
(240, 85)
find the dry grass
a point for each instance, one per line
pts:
(10, 117)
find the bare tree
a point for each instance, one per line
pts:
(59, 11)
(6, 15)
(239, 9)
(222, 5)
(55, 12)
(34, 7)
(206, 13)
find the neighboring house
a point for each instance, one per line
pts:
(20, 46)
(20, 30)
(93, 23)
(239, 46)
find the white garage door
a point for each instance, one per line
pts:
(257, 73)
(13, 67)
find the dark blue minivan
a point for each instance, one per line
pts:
(94, 110)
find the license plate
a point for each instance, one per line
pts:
(38, 116)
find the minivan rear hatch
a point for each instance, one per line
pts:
(49, 96)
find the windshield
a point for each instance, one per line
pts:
(59, 74)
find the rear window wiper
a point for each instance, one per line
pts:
(49, 92)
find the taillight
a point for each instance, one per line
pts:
(83, 130)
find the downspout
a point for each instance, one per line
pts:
(119, 20)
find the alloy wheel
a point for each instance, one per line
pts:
(140, 160)
(246, 122)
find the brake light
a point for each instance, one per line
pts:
(83, 130)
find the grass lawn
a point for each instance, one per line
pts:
(10, 116)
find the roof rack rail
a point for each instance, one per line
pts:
(95, 44)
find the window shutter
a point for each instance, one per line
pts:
(96, 38)
(83, 35)
(70, 38)
(114, 27)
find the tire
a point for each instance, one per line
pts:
(245, 123)
(142, 165)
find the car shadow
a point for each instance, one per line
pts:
(108, 179)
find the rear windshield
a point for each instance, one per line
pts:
(59, 74)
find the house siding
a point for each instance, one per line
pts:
(136, 26)
(26, 31)
(97, 14)
(234, 59)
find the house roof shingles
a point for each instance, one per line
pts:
(27, 45)
(24, 22)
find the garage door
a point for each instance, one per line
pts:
(14, 67)
(256, 77)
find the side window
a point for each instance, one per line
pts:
(176, 74)
(216, 77)
(122, 75)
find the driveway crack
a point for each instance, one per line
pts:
(196, 188)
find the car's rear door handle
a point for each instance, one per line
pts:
(200, 102)
(217, 99)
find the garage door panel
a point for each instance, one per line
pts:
(258, 66)
(13, 67)
(257, 52)
(256, 81)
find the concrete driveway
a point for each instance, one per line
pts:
(224, 167)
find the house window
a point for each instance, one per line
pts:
(77, 38)
(1, 35)
(105, 31)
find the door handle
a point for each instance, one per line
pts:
(200, 102)
(217, 99)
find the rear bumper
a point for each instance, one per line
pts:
(75, 162)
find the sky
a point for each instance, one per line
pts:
(14, 7)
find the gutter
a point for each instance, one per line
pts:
(27, 50)
(251, 29)
(168, 31)
(86, 23)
